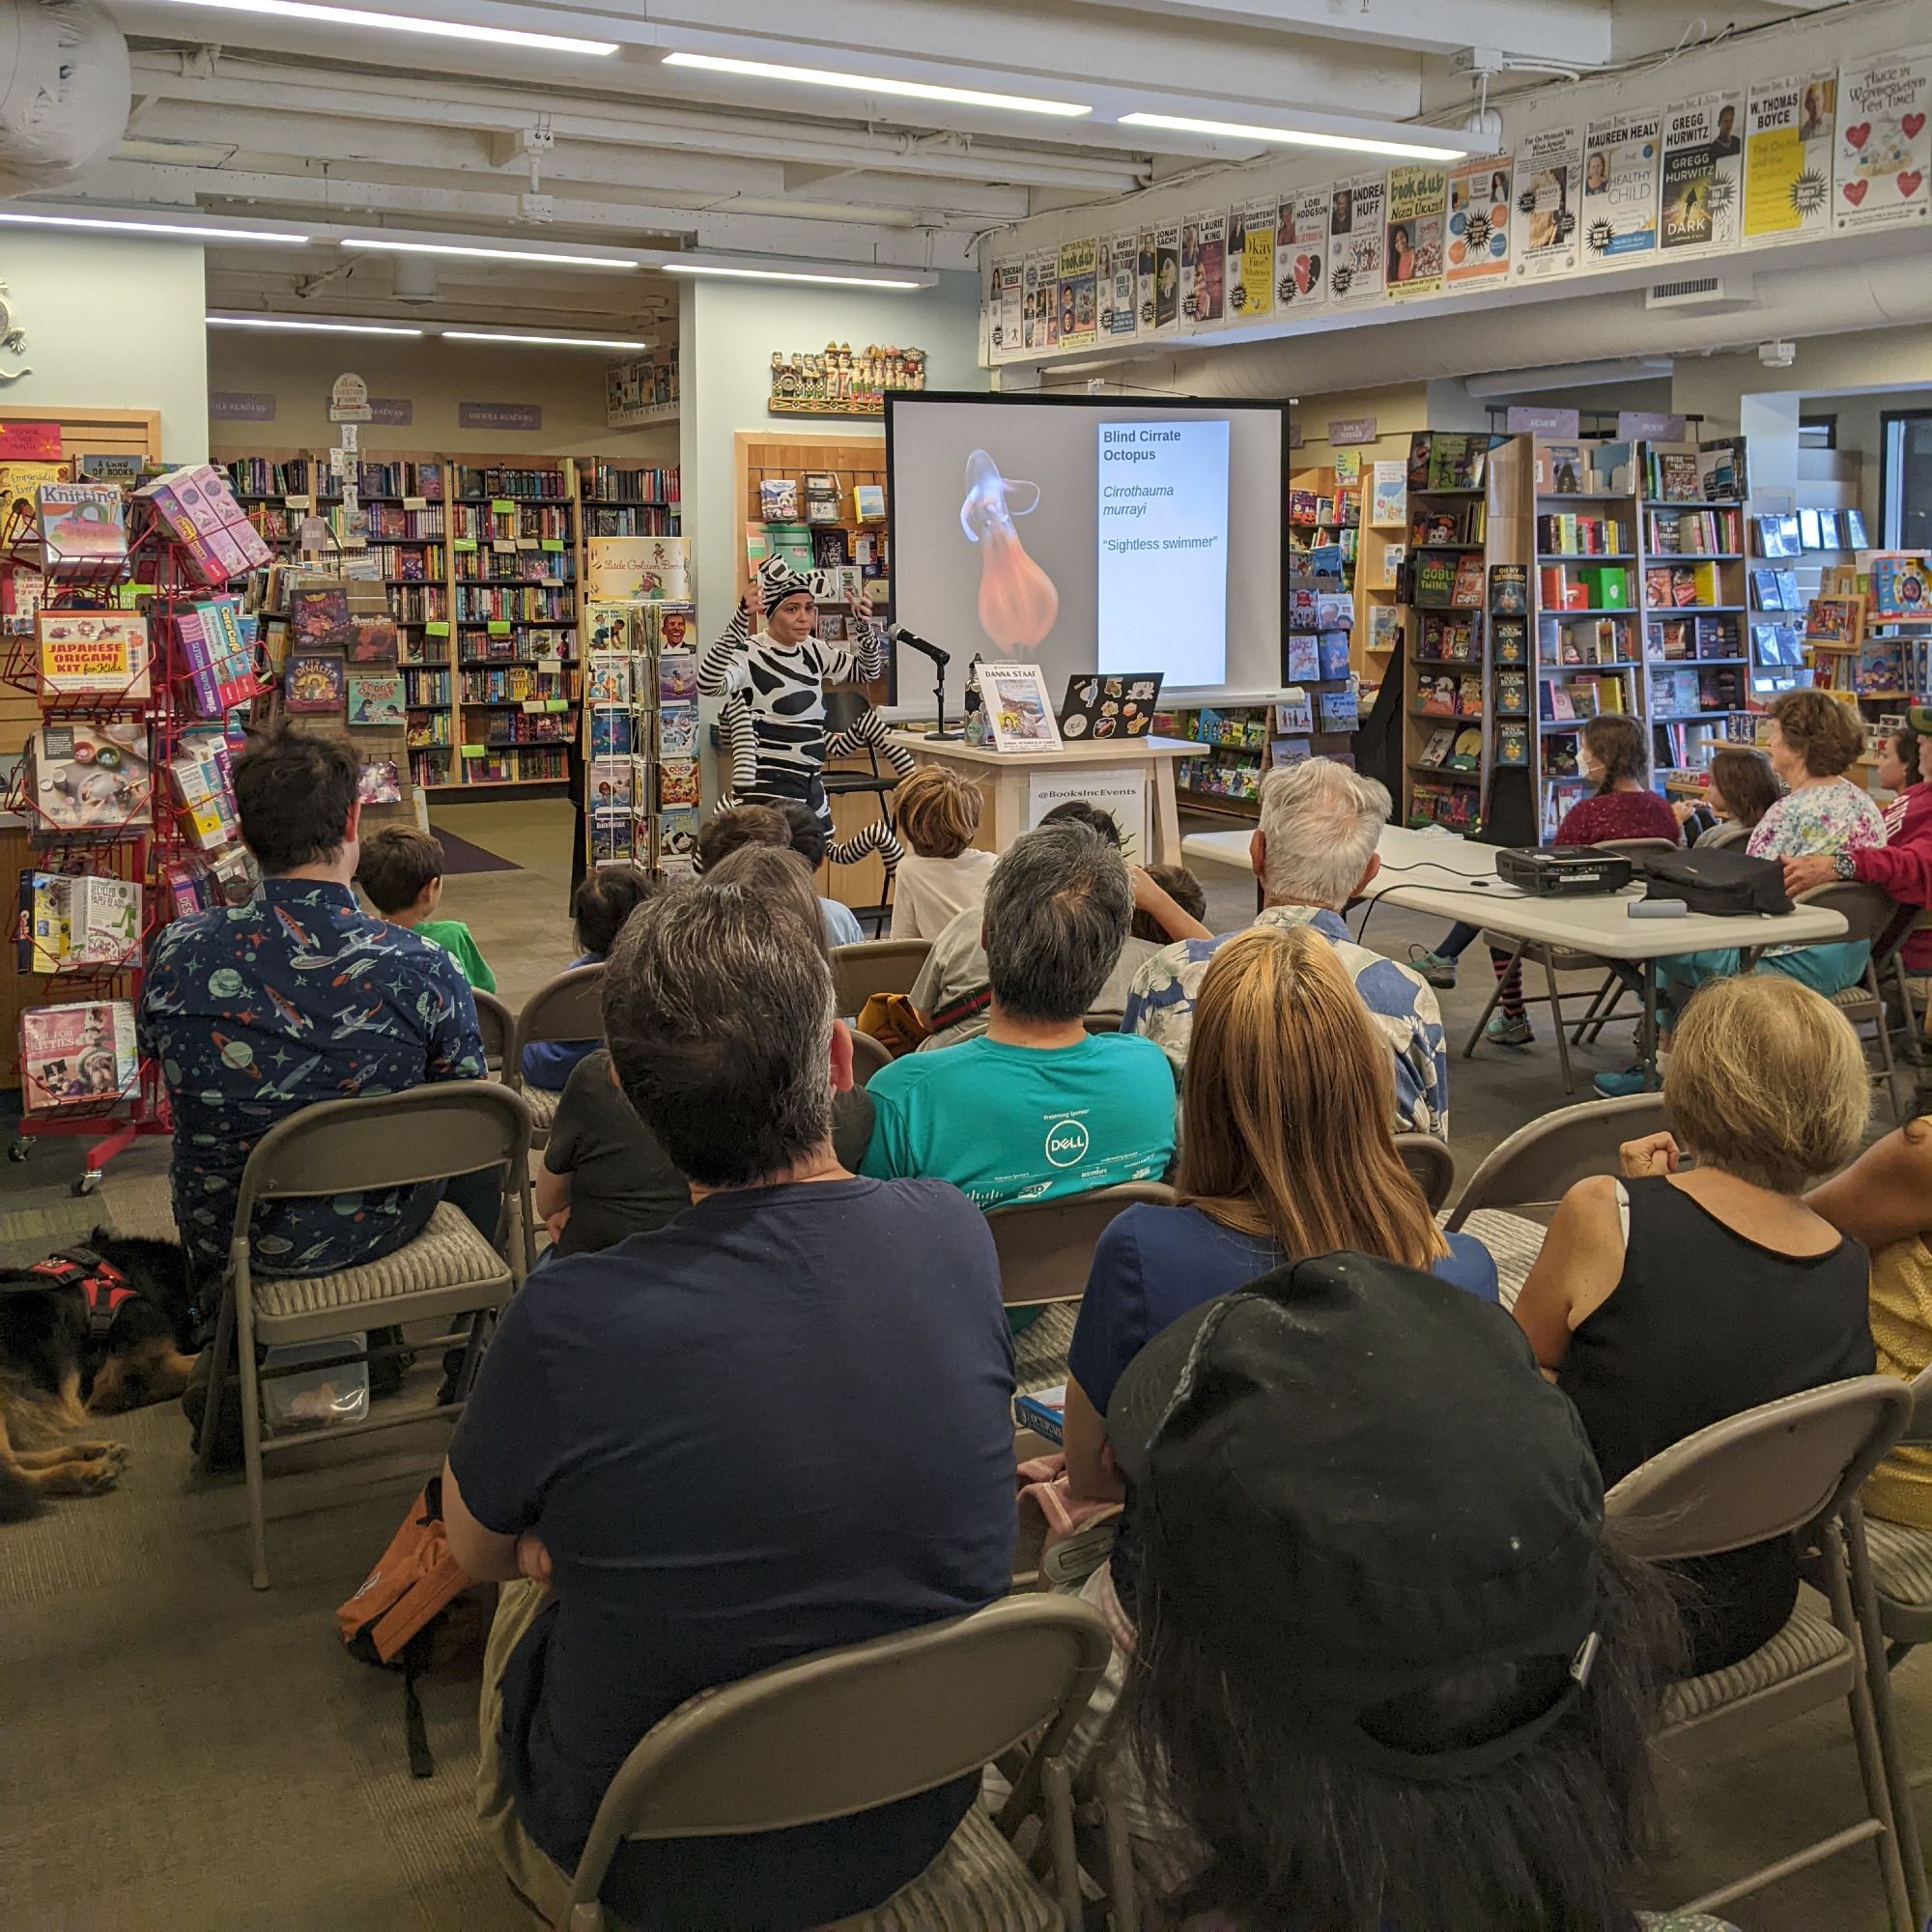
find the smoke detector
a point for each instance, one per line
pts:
(416, 279)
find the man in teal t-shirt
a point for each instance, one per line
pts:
(1037, 1107)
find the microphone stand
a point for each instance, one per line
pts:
(939, 731)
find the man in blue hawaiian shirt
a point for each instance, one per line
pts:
(255, 1012)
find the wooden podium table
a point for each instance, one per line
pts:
(1012, 780)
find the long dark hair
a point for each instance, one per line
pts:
(1617, 740)
(1300, 1836)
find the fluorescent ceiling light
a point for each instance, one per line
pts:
(789, 276)
(484, 252)
(1234, 130)
(541, 341)
(307, 327)
(404, 23)
(124, 227)
(869, 83)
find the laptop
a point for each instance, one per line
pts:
(1120, 704)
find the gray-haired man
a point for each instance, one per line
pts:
(1314, 851)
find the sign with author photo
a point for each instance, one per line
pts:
(1703, 174)
(1549, 203)
(1301, 252)
(1788, 130)
(1355, 241)
(1480, 227)
(1622, 163)
(1413, 263)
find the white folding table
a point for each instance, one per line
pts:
(1455, 878)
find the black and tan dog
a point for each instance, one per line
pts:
(100, 1328)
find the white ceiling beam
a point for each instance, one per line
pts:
(1575, 30)
(416, 98)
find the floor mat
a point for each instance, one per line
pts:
(459, 855)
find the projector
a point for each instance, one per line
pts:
(1562, 871)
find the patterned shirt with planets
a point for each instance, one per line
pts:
(255, 1012)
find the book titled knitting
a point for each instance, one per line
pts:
(81, 526)
(93, 654)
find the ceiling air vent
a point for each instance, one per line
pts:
(1701, 292)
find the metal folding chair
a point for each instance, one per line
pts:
(1873, 915)
(569, 1006)
(1537, 1164)
(875, 966)
(852, 1729)
(1433, 1165)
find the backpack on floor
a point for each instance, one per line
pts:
(391, 1621)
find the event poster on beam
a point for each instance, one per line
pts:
(1481, 227)
(1413, 261)
(1622, 164)
(1119, 302)
(1789, 126)
(1883, 175)
(1703, 175)
(1204, 268)
(1355, 241)
(1041, 320)
(1301, 252)
(1080, 293)
(1251, 260)
(1167, 278)
(1008, 290)
(1549, 203)
(1145, 276)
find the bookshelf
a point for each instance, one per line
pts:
(1383, 543)
(619, 496)
(1464, 521)
(1325, 513)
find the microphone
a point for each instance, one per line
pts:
(899, 635)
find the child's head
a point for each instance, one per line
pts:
(1743, 785)
(599, 907)
(400, 872)
(938, 811)
(725, 831)
(1183, 888)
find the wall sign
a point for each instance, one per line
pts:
(1526, 421)
(1648, 425)
(349, 400)
(241, 406)
(397, 410)
(1351, 429)
(500, 416)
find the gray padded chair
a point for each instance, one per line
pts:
(1537, 1164)
(875, 966)
(1433, 1165)
(450, 1271)
(868, 1056)
(1873, 915)
(1789, 1467)
(1046, 1247)
(568, 1006)
(851, 1729)
(499, 1027)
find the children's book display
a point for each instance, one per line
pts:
(641, 735)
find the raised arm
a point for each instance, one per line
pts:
(720, 669)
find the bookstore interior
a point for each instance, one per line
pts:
(1140, 400)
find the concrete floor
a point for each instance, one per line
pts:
(124, 1587)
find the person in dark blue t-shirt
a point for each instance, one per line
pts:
(778, 1425)
(1287, 1151)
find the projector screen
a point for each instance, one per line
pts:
(1085, 534)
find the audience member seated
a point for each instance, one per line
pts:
(936, 812)
(953, 994)
(1741, 788)
(1314, 851)
(258, 1010)
(1036, 1106)
(597, 908)
(1613, 754)
(605, 1175)
(1287, 1152)
(1884, 1200)
(1184, 889)
(796, 831)
(1678, 1295)
(779, 1425)
(1393, 1678)
(401, 874)
(1903, 865)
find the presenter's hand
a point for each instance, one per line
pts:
(872, 597)
(1802, 874)
(754, 615)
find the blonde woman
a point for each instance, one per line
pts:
(938, 812)
(1681, 1294)
(1287, 1151)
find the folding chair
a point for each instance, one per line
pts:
(1104, 1019)
(1555, 959)
(1791, 1467)
(852, 1729)
(351, 1147)
(1537, 1164)
(875, 966)
(1870, 914)
(569, 1006)
(499, 1027)
(868, 1055)
(845, 709)
(1433, 1165)
(1892, 1586)
(1726, 832)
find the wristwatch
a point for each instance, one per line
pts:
(1845, 865)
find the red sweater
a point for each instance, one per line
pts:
(1903, 867)
(1618, 815)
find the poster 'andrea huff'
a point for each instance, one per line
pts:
(1355, 241)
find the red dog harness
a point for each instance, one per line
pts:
(104, 1284)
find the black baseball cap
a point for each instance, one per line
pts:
(1351, 1480)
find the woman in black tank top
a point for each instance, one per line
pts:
(1669, 1300)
